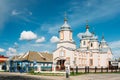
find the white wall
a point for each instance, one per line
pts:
(95, 59)
(119, 64)
(67, 36)
(103, 60)
(0, 67)
(66, 44)
(68, 53)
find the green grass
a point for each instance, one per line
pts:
(4, 71)
(72, 73)
(76, 74)
(47, 74)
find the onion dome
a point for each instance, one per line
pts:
(65, 26)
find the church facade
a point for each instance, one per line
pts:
(91, 52)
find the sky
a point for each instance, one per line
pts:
(33, 25)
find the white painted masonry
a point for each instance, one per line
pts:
(91, 52)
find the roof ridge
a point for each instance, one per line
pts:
(40, 54)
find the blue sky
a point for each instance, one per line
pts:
(41, 20)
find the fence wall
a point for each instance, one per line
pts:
(95, 69)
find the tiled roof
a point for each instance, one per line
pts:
(3, 58)
(35, 56)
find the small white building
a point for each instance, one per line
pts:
(90, 53)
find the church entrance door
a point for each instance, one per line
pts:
(60, 64)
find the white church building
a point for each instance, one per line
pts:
(90, 53)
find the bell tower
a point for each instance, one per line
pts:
(65, 31)
(65, 35)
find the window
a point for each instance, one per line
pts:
(70, 35)
(91, 62)
(49, 64)
(41, 64)
(84, 43)
(91, 54)
(91, 45)
(61, 35)
(75, 60)
(45, 64)
(68, 60)
(62, 53)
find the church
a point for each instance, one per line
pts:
(91, 51)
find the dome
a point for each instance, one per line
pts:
(65, 25)
(87, 33)
(103, 40)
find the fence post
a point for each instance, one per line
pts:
(101, 68)
(95, 69)
(88, 69)
(111, 69)
(115, 69)
(107, 69)
(76, 69)
(85, 69)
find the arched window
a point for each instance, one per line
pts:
(70, 36)
(61, 35)
(62, 53)
(84, 43)
(91, 45)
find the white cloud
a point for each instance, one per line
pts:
(79, 35)
(36, 45)
(24, 12)
(115, 46)
(42, 39)
(53, 30)
(15, 12)
(11, 52)
(21, 53)
(30, 13)
(27, 35)
(2, 50)
(91, 10)
(46, 51)
(54, 39)
(50, 28)
(15, 45)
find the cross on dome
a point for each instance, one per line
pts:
(103, 40)
(65, 17)
(87, 27)
(102, 36)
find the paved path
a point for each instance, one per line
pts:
(97, 77)
(23, 76)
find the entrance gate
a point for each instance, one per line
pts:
(60, 65)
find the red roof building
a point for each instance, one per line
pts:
(3, 59)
